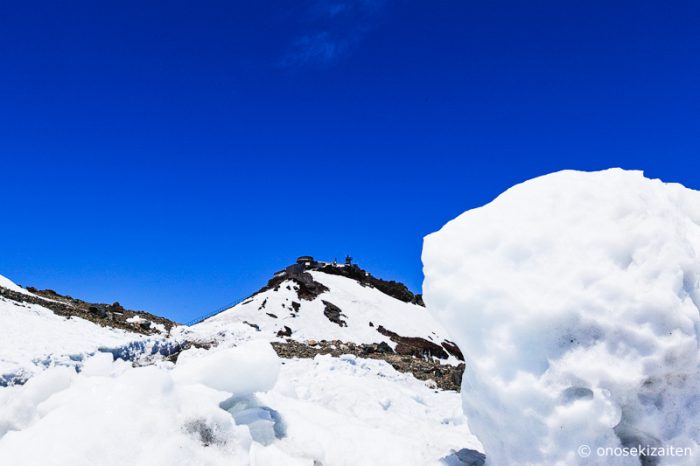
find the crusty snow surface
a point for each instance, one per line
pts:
(230, 406)
(575, 299)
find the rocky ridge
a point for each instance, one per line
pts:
(106, 315)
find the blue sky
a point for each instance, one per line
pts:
(172, 155)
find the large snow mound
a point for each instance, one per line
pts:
(575, 298)
(113, 414)
(205, 367)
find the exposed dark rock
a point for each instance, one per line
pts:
(457, 378)
(465, 457)
(306, 287)
(392, 288)
(453, 349)
(446, 377)
(334, 313)
(116, 307)
(172, 357)
(287, 332)
(271, 315)
(419, 299)
(382, 347)
(255, 326)
(100, 312)
(296, 306)
(414, 346)
(106, 315)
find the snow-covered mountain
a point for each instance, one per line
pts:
(314, 301)
(354, 378)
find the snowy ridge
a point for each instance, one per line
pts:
(344, 310)
(34, 338)
(10, 285)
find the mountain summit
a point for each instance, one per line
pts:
(314, 307)
(312, 300)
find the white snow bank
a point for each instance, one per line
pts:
(575, 298)
(255, 362)
(33, 337)
(350, 411)
(113, 414)
(331, 411)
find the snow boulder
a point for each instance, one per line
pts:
(575, 297)
(243, 370)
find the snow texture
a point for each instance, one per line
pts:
(575, 298)
(350, 411)
(114, 414)
(331, 411)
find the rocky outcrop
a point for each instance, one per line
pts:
(445, 376)
(453, 349)
(334, 314)
(414, 346)
(306, 287)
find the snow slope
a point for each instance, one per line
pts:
(363, 308)
(10, 285)
(352, 411)
(575, 298)
(33, 337)
(207, 411)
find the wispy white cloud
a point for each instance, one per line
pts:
(334, 28)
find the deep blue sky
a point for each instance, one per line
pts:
(172, 155)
